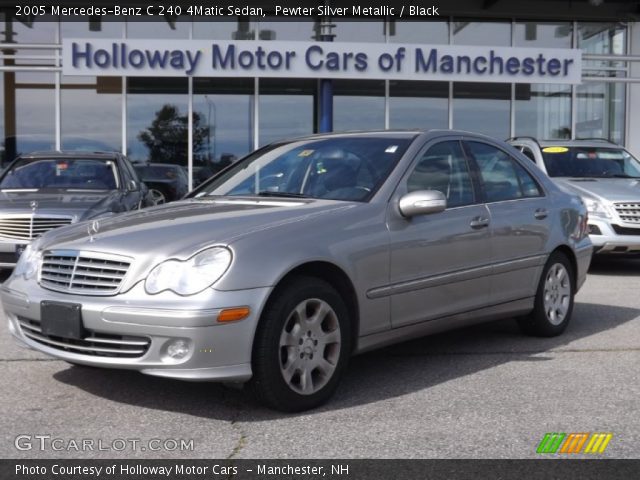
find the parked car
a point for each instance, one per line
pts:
(166, 182)
(277, 270)
(606, 176)
(45, 190)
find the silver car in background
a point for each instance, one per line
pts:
(41, 191)
(606, 176)
(278, 269)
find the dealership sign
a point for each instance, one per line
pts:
(244, 58)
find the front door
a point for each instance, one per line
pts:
(440, 263)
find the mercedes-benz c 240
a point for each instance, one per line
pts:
(278, 269)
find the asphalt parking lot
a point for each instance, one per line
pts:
(484, 392)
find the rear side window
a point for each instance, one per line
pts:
(502, 177)
(529, 154)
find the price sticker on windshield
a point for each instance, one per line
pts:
(555, 150)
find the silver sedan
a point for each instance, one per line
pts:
(278, 269)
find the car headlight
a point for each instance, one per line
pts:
(27, 265)
(596, 208)
(191, 276)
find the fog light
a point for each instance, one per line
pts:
(178, 349)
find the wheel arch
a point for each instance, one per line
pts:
(334, 276)
(570, 254)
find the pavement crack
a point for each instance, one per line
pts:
(29, 360)
(242, 439)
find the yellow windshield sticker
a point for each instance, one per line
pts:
(555, 149)
(305, 153)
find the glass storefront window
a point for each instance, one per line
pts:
(358, 105)
(600, 111)
(86, 101)
(482, 107)
(92, 27)
(600, 106)
(543, 34)
(30, 30)
(29, 116)
(159, 27)
(543, 111)
(297, 29)
(241, 29)
(224, 109)
(427, 33)
(362, 31)
(157, 114)
(467, 32)
(422, 105)
(286, 108)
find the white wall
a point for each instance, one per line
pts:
(633, 127)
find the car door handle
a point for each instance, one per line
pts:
(541, 213)
(479, 222)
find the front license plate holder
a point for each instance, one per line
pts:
(61, 319)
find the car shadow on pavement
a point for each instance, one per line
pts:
(376, 376)
(623, 266)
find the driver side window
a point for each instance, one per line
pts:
(444, 167)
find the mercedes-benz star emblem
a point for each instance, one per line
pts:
(92, 229)
(33, 205)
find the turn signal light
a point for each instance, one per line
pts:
(233, 314)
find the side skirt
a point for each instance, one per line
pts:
(487, 314)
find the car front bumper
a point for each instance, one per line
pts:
(147, 325)
(611, 242)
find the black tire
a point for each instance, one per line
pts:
(270, 357)
(545, 321)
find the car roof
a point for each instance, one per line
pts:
(587, 142)
(71, 154)
(406, 133)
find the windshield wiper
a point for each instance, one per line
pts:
(269, 193)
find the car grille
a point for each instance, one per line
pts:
(94, 344)
(626, 230)
(84, 273)
(629, 212)
(28, 227)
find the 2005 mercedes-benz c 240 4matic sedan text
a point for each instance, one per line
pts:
(279, 268)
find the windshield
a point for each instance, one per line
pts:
(61, 173)
(592, 162)
(340, 168)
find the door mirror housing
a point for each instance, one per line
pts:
(132, 186)
(422, 202)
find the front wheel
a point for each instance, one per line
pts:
(301, 347)
(554, 299)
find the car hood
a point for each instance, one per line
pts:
(76, 203)
(611, 189)
(181, 228)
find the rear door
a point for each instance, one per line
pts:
(520, 220)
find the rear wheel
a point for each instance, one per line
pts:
(301, 347)
(554, 299)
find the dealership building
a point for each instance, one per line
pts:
(202, 91)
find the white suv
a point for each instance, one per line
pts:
(606, 176)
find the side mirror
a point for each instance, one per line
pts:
(132, 186)
(422, 202)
